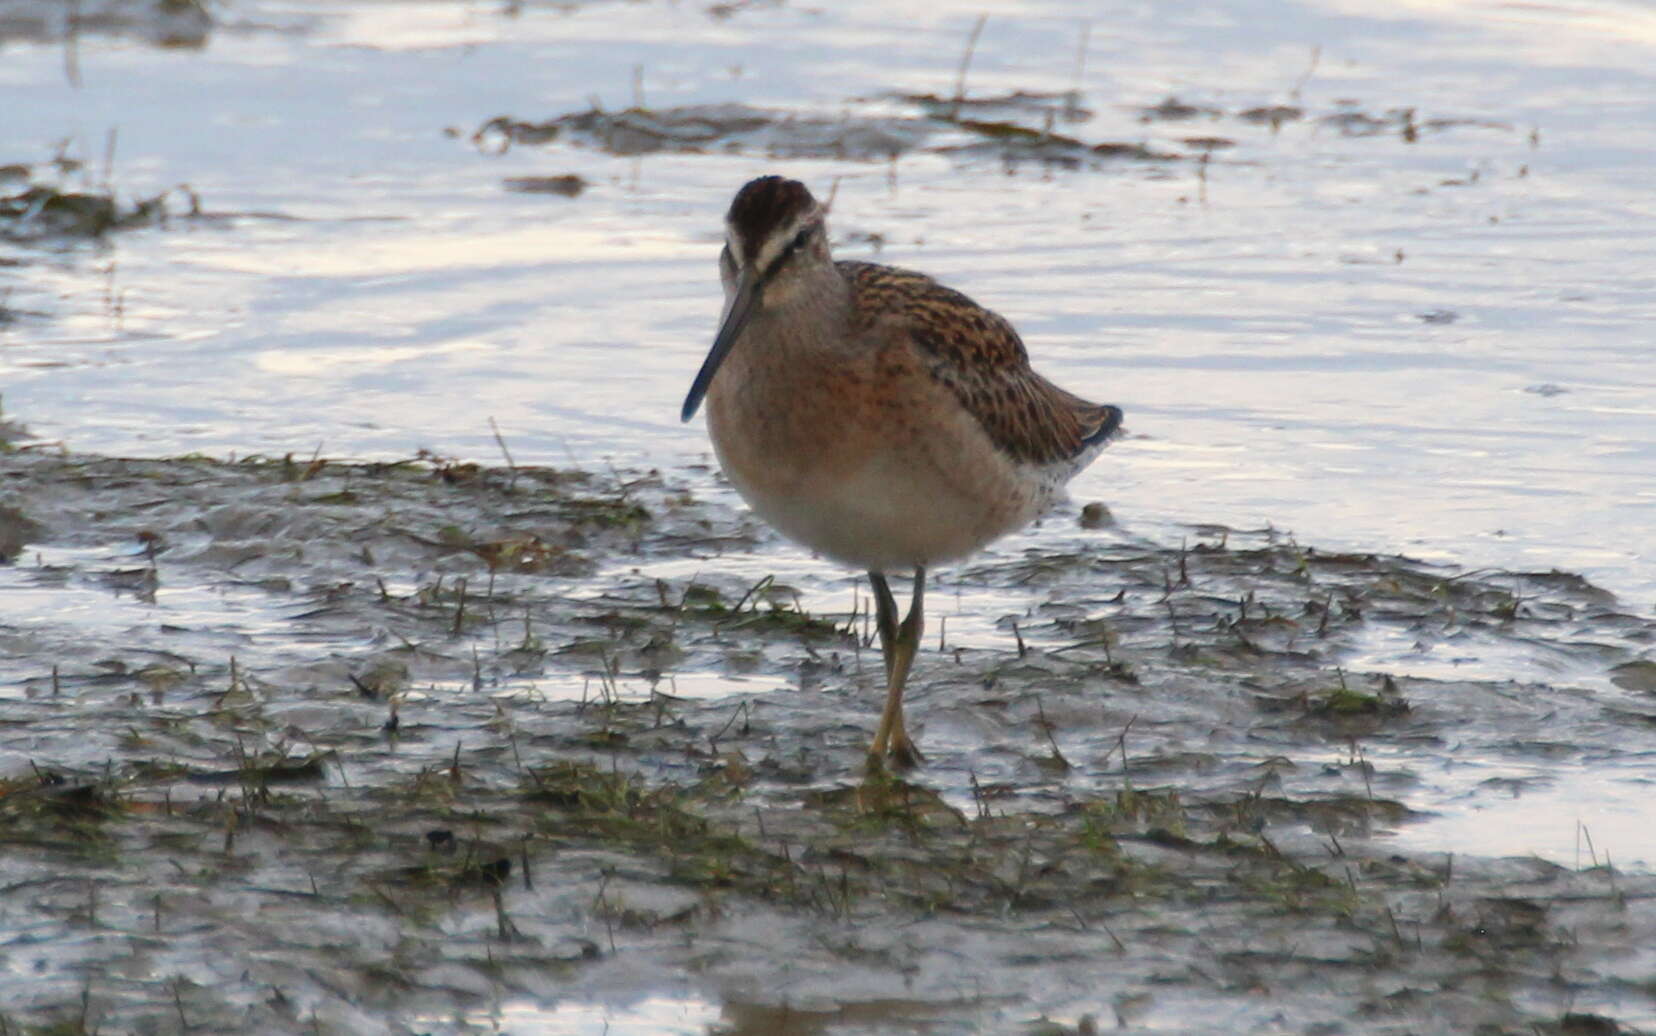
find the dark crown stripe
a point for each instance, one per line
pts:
(762, 206)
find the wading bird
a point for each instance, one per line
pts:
(875, 416)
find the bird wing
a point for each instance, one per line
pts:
(977, 355)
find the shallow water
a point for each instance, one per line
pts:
(1574, 816)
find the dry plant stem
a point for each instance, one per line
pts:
(966, 63)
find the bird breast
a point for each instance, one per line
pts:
(847, 445)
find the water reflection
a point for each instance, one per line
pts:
(660, 1015)
(1575, 816)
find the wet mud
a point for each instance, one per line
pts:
(295, 744)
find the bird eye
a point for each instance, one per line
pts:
(801, 237)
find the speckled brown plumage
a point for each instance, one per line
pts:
(980, 358)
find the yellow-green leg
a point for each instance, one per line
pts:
(898, 644)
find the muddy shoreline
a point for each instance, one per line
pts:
(389, 769)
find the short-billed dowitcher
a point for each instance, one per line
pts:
(875, 416)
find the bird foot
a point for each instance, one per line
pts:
(905, 754)
(902, 752)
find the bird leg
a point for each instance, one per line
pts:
(898, 644)
(885, 617)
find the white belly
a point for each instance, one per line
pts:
(896, 511)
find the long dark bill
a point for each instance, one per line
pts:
(742, 304)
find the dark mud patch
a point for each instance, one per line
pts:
(696, 129)
(567, 185)
(1011, 128)
(184, 24)
(964, 130)
(399, 747)
(39, 205)
(1349, 117)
